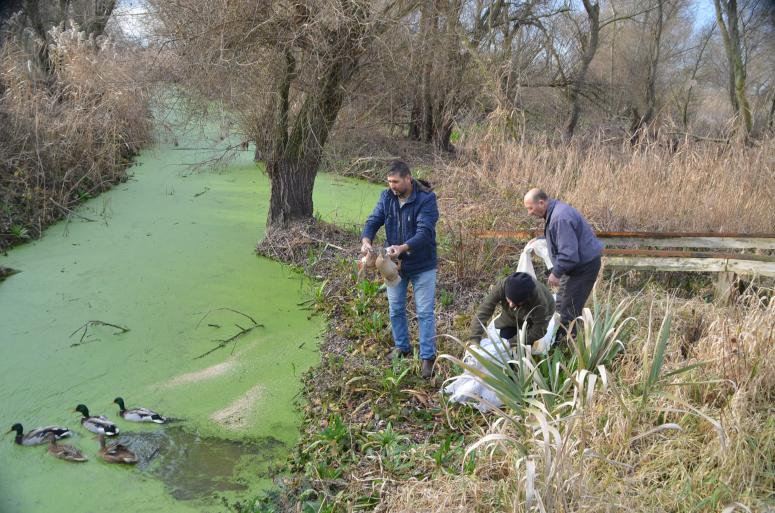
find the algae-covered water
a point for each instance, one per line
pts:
(170, 256)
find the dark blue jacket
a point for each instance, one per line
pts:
(413, 224)
(569, 237)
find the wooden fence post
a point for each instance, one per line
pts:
(725, 282)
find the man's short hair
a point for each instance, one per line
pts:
(399, 168)
(540, 195)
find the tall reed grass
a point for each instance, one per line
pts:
(689, 187)
(71, 137)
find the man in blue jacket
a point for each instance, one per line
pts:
(573, 248)
(409, 213)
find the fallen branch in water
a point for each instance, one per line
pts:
(85, 328)
(71, 212)
(224, 342)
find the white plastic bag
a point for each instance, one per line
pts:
(539, 247)
(543, 344)
(466, 388)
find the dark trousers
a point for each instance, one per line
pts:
(575, 288)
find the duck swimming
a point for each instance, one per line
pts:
(98, 424)
(64, 452)
(115, 453)
(39, 435)
(138, 414)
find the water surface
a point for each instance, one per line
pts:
(170, 256)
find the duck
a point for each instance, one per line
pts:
(39, 435)
(115, 453)
(138, 414)
(98, 424)
(64, 452)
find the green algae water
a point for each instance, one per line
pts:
(168, 255)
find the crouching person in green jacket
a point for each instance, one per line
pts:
(521, 299)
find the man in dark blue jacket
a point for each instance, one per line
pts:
(573, 248)
(409, 213)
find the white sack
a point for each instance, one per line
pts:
(539, 247)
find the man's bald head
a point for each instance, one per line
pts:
(536, 202)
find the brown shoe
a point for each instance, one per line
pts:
(427, 368)
(397, 353)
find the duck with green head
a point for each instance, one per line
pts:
(98, 424)
(39, 435)
(138, 414)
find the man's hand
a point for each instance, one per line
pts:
(395, 251)
(365, 246)
(553, 281)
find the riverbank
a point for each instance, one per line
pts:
(678, 420)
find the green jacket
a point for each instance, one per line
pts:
(538, 311)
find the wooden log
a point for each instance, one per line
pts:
(708, 265)
(692, 242)
(720, 240)
(661, 253)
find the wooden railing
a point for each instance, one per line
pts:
(648, 251)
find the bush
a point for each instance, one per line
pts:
(70, 137)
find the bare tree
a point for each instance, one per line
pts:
(727, 18)
(685, 94)
(589, 42)
(286, 66)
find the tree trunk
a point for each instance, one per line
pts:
(296, 153)
(421, 122)
(640, 123)
(590, 47)
(771, 114)
(697, 63)
(291, 184)
(651, 88)
(730, 34)
(442, 135)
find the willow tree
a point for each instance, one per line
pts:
(285, 67)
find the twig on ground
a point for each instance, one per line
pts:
(328, 244)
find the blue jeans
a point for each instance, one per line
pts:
(424, 286)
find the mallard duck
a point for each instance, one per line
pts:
(138, 414)
(115, 453)
(96, 424)
(64, 452)
(38, 435)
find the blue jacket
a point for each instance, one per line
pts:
(569, 237)
(413, 224)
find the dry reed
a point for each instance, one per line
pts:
(70, 138)
(701, 446)
(691, 187)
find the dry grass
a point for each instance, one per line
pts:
(701, 446)
(70, 138)
(650, 187)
